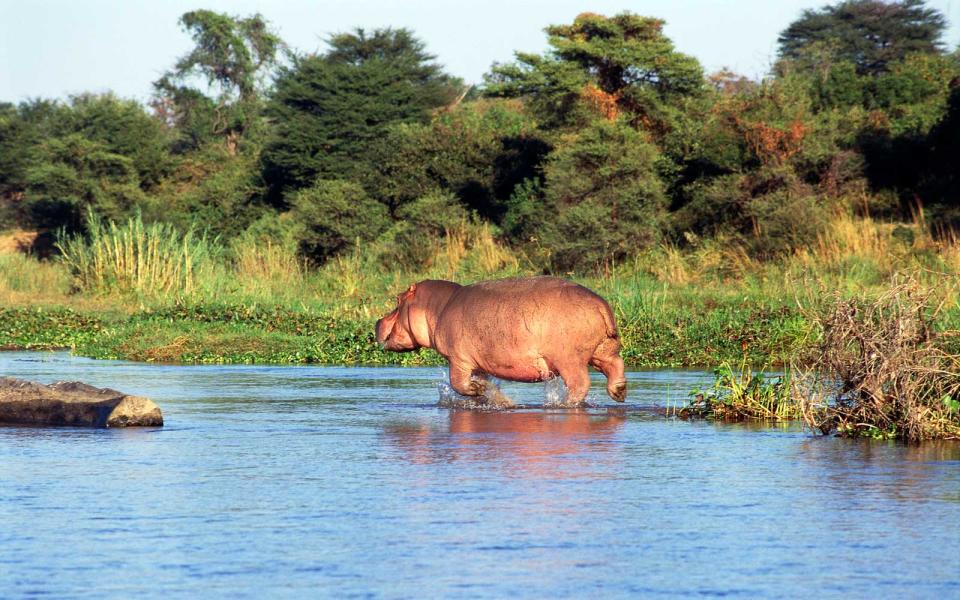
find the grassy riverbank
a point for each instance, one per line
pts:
(257, 303)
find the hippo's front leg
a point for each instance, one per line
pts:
(463, 381)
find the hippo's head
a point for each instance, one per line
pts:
(394, 330)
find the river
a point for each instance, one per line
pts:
(275, 481)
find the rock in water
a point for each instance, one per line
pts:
(73, 403)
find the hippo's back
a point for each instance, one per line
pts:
(530, 307)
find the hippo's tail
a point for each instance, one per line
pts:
(609, 321)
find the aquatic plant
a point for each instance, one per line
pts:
(739, 394)
(38, 328)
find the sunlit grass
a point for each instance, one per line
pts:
(696, 306)
(133, 257)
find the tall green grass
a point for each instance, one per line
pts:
(699, 306)
(25, 279)
(147, 259)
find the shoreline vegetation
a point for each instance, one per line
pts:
(151, 293)
(267, 205)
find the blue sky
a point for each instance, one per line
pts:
(52, 48)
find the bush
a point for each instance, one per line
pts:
(212, 190)
(713, 205)
(784, 222)
(334, 216)
(75, 174)
(478, 151)
(879, 372)
(411, 241)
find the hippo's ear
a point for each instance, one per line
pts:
(407, 294)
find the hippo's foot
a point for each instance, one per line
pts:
(480, 395)
(497, 399)
(618, 391)
(477, 387)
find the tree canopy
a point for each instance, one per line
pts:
(871, 34)
(231, 55)
(601, 66)
(328, 108)
(609, 142)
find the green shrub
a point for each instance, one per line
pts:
(784, 222)
(333, 216)
(412, 240)
(479, 151)
(603, 198)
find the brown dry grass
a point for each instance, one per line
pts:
(878, 370)
(18, 240)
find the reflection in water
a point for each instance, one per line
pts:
(528, 442)
(903, 472)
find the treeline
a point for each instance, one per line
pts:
(610, 142)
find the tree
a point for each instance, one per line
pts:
(18, 144)
(231, 54)
(868, 33)
(97, 152)
(941, 182)
(328, 109)
(76, 174)
(479, 151)
(602, 199)
(602, 66)
(412, 240)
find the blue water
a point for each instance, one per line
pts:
(351, 482)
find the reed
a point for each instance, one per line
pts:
(24, 279)
(147, 259)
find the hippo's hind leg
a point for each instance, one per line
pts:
(464, 381)
(606, 358)
(577, 379)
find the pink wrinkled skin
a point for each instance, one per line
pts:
(526, 329)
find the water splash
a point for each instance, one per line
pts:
(554, 393)
(493, 398)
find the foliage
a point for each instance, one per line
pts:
(231, 54)
(784, 222)
(608, 148)
(877, 371)
(479, 151)
(211, 190)
(602, 198)
(411, 241)
(46, 329)
(75, 175)
(602, 66)
(328, 109)
(335, 215)
(133, 257)
(940, 179)
(18, 147)
(871, 34)
(741, 394)
(97, 152)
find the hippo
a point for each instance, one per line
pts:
(527, 329)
